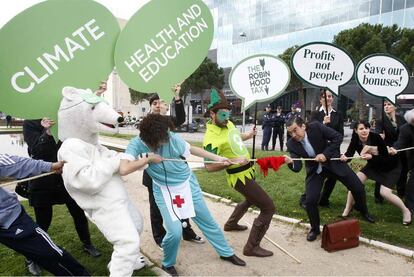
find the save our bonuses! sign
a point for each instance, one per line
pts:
(382, 75)
(163, 43)
(259, 78)
(51, 45)
(323, 64)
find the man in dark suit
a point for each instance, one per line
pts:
(322, 143)
(405, 140)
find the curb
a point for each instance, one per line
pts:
(377, 244)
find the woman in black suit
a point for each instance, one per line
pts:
(388, 128)
(381, 167)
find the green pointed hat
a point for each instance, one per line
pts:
(217, 100)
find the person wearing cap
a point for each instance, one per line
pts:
(223, 138)
(267, 128)
(159, 106)
(278, 123)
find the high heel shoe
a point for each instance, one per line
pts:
(406, 223)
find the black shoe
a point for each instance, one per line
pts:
(170, 270)
(33, 268)
(312, 235)
(234, 260)
(368, 217)
(196, 239)
(91, 250)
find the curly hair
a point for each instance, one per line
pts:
(154, 130)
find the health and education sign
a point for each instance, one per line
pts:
(259, 78)
(51, 45)
(163, 43)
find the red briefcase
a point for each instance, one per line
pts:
(340, 235)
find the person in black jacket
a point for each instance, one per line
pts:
(381, 167)
(267, 127)
(47, 191)
(322, 143)
(388, 128)
(332, 119)
(158, 231)
(278, 120)
(406, 140)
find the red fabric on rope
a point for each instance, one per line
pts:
(270, 162)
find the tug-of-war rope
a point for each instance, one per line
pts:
(265, 164)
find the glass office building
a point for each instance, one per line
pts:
(247, 27)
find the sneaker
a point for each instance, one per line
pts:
(196, 239)
(33, 268)
(170, 270)
(91, 250)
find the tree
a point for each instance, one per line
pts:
(367, 39)
(137, 97)
(295, 82)
(208, 74)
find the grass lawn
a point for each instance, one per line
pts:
(63, 233)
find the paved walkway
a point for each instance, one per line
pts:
(201, 260)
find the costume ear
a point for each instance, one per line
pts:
(70, 93)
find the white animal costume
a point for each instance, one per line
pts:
(91, 176)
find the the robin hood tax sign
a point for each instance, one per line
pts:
(51, 45)
(323, 64)
(259, 78)
(382, 75)
(163, 43)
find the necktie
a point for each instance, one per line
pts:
(309, 149)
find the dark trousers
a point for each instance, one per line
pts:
(158, 231)
(44, 216)
(256, 196)
(328, 187)
(314, 183)
(27, 238)
(278, 131)
(267, 133)
(409, 191)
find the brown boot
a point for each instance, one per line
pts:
(232, 222)
(252, 247)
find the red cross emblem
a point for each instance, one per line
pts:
(178, 201)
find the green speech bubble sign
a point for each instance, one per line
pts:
(51, 45)
(162, 44)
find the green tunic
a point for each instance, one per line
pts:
(227, 142)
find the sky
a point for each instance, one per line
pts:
(120, 8)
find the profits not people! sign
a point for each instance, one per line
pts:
(51, 45)
(382, 75)
(323, 64)
(162, 44)
(259, 78)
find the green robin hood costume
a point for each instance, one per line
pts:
(226, 141)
